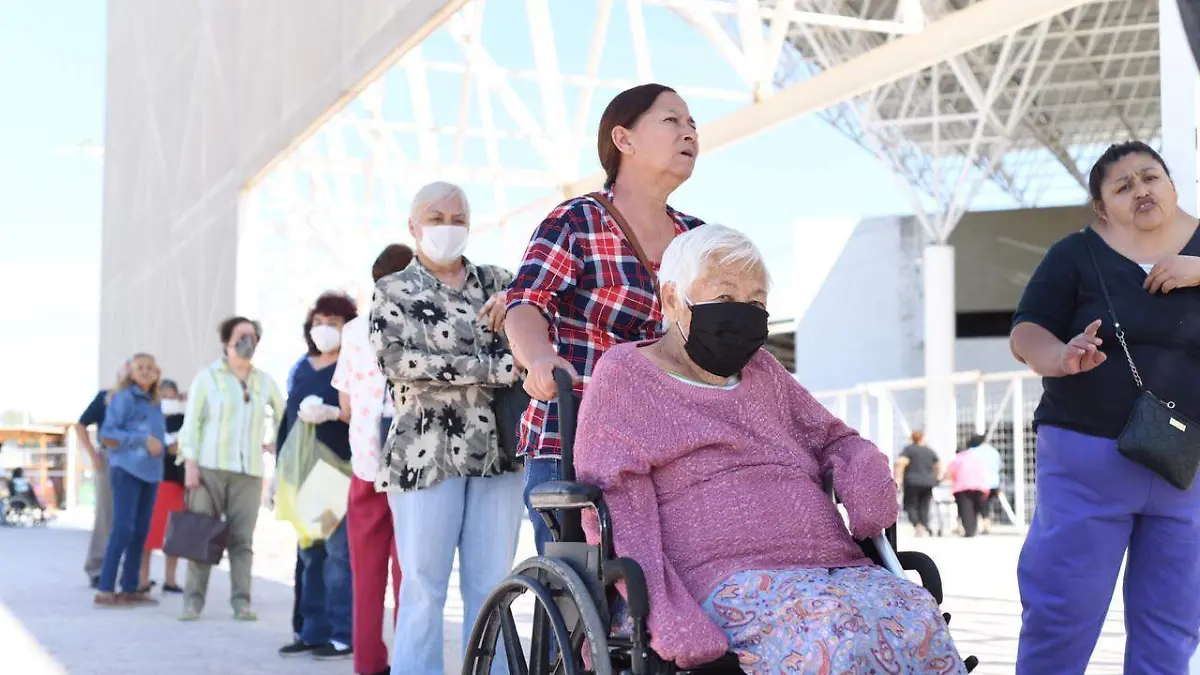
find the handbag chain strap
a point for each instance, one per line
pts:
(1137, 378)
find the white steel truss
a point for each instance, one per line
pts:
(511, 120)
(1022, 113)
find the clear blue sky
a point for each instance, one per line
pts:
(52, 73)
(52, 69)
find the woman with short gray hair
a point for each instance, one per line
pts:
(711, 458)
(435, 326)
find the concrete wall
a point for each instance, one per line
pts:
(861, 325)
(201, 96)
(864, 319)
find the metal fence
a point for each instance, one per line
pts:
(998, 405)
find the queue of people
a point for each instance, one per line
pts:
(661, 321)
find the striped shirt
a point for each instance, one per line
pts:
(226, 425)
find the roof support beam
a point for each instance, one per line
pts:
(976, 25)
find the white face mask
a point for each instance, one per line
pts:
(172, 406)
(326, 338)
(443, 243)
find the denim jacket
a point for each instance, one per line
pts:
(132, 417)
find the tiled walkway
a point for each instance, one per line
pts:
(48, 626)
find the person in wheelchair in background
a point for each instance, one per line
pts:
(21, 499)
(711, 459)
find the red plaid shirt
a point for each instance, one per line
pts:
(587, 281)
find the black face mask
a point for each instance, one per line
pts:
(725, 335)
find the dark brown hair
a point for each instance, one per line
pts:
(1111, 156)
(391, 260)
(330, 303)
(226, 327)
(624, 110)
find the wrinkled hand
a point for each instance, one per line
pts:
(492, 314)
(1178, 271)
(539, 381)
(154, 446)
(1083, 353)
(191, 474)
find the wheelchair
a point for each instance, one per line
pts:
(573, 587)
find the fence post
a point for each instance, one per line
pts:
(864, 407)
(980, 406)
(1018, 422)
(886, 441)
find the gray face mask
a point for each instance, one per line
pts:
(244, 347)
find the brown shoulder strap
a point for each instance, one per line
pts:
(623, 224)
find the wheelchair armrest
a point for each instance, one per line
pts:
(563, 495)
(636, 590)
(924, 566)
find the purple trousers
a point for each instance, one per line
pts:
(1094, 507)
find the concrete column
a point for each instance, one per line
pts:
(940, 420)
(1180, 104)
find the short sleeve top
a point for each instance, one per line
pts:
(1162, 331)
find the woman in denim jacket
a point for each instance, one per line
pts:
(133, 431)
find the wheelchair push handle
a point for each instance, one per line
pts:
(568, 415)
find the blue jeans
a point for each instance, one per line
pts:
(133, 505)
(478, 517)
(538, 471)
(326, 599)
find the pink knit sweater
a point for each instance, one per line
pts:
(703, 483)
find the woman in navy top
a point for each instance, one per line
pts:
(1094, 506)
(134, 432)
(322, 614)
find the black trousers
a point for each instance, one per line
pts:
(970, 506)
(916, 504)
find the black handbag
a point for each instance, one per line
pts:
(197, 536)
(509, 402)
(1155, 435)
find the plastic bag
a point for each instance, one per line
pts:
(313, 485)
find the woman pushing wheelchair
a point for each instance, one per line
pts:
(711, 457)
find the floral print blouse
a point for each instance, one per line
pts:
(444, 368)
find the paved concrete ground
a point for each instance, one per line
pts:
(48, 626)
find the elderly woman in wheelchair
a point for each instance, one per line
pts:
(711, 461)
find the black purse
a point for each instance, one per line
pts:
(198, 537)
(509, 402)
(1155, 435)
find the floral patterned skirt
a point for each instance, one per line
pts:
(860, 620)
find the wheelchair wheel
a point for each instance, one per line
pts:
(561, 599)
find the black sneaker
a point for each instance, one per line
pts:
(297, 648)
(331, 652)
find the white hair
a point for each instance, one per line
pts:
(435, 192)
(686, 257)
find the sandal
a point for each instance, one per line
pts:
(171, 588)
(190, 614)
(106, 600)
(139, 599)
(245, 614)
